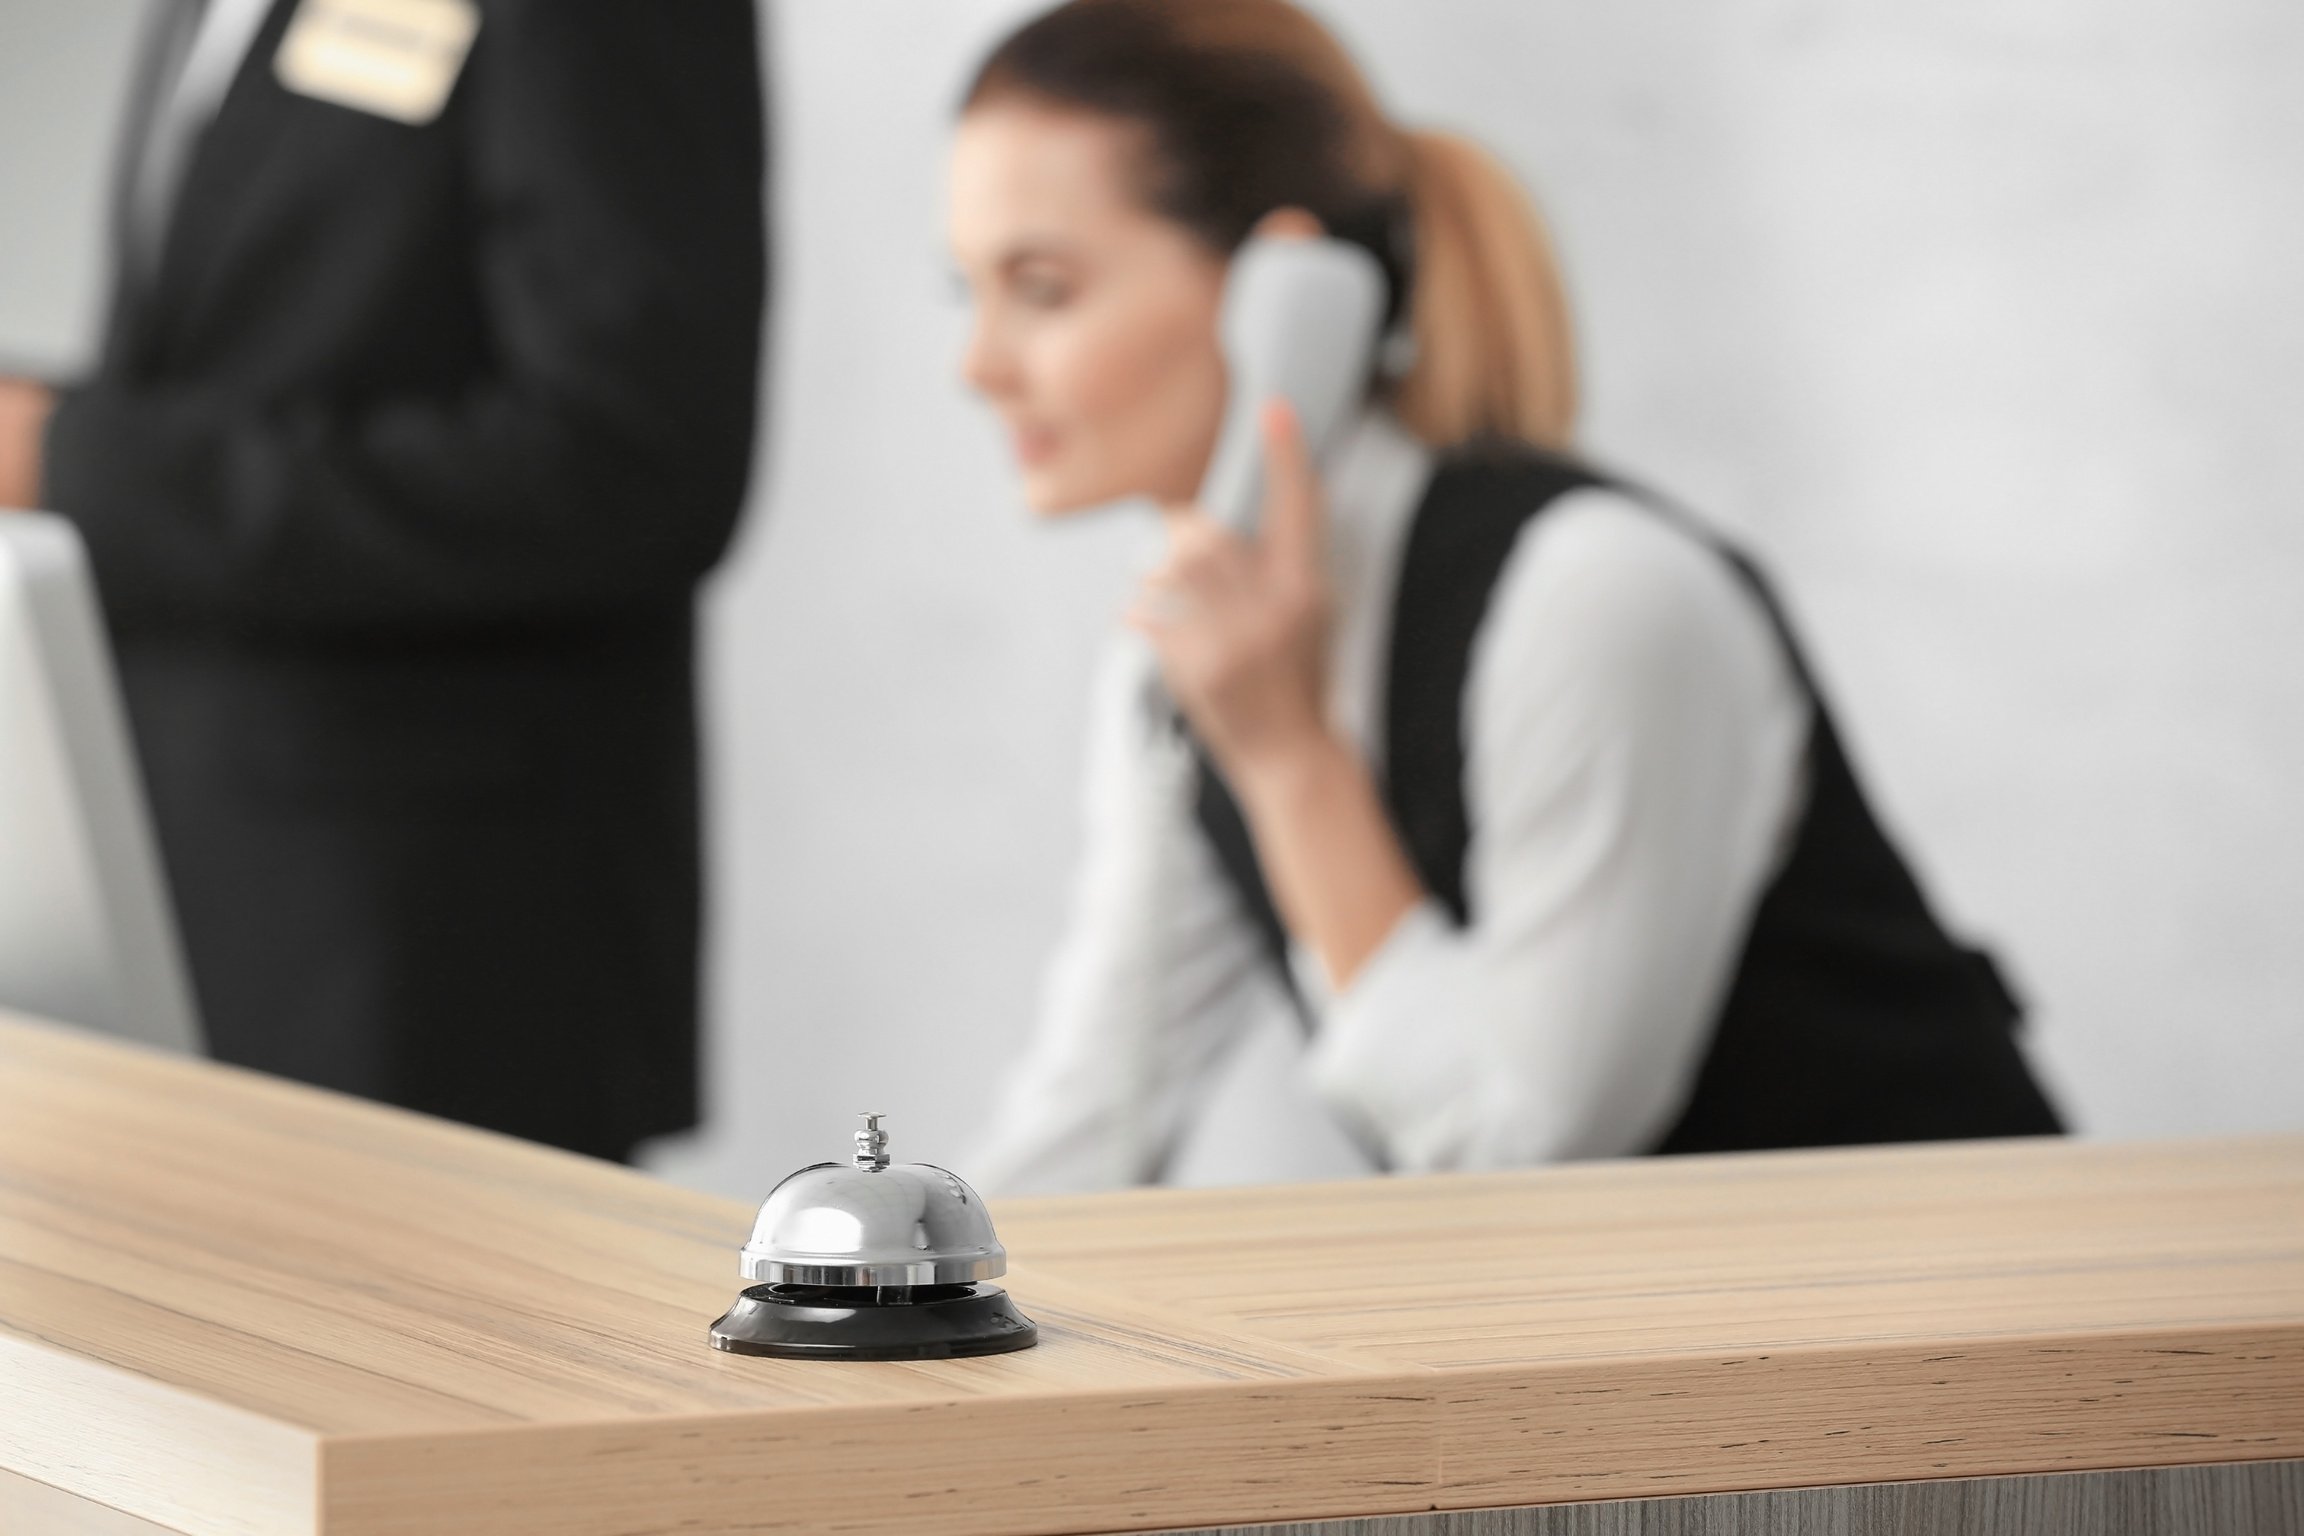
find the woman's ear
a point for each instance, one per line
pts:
(1289, 224)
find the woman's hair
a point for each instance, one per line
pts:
(1250, 105)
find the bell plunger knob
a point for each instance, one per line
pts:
(871, 1144)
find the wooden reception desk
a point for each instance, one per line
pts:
(230, 1305)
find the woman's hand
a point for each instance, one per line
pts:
(1241, 629)
(1240, 625)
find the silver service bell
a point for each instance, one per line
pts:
(868, 1260)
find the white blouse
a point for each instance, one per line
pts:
(1634, 768)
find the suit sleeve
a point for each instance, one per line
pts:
(615, 173)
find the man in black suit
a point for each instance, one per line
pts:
(427, 399)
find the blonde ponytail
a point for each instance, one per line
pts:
(1495, 356)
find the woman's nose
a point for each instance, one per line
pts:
(985, 363)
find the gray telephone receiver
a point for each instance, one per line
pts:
(1300, 320)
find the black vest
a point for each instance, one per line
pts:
(1852, 1017)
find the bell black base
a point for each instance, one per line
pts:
(832, 1322)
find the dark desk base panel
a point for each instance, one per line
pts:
(2253, 1498)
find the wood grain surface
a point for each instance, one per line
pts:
(230, 1304)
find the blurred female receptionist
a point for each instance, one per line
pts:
(1504, 821)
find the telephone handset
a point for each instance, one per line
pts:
(1299, 320)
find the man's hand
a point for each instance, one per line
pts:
(24, 408)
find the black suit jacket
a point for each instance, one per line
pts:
(398, 475)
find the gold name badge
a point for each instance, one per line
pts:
(395, 58)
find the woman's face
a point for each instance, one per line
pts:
(1095, 318)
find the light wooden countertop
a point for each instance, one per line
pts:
(229, 1304)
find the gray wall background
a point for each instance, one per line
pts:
(1980, 317)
